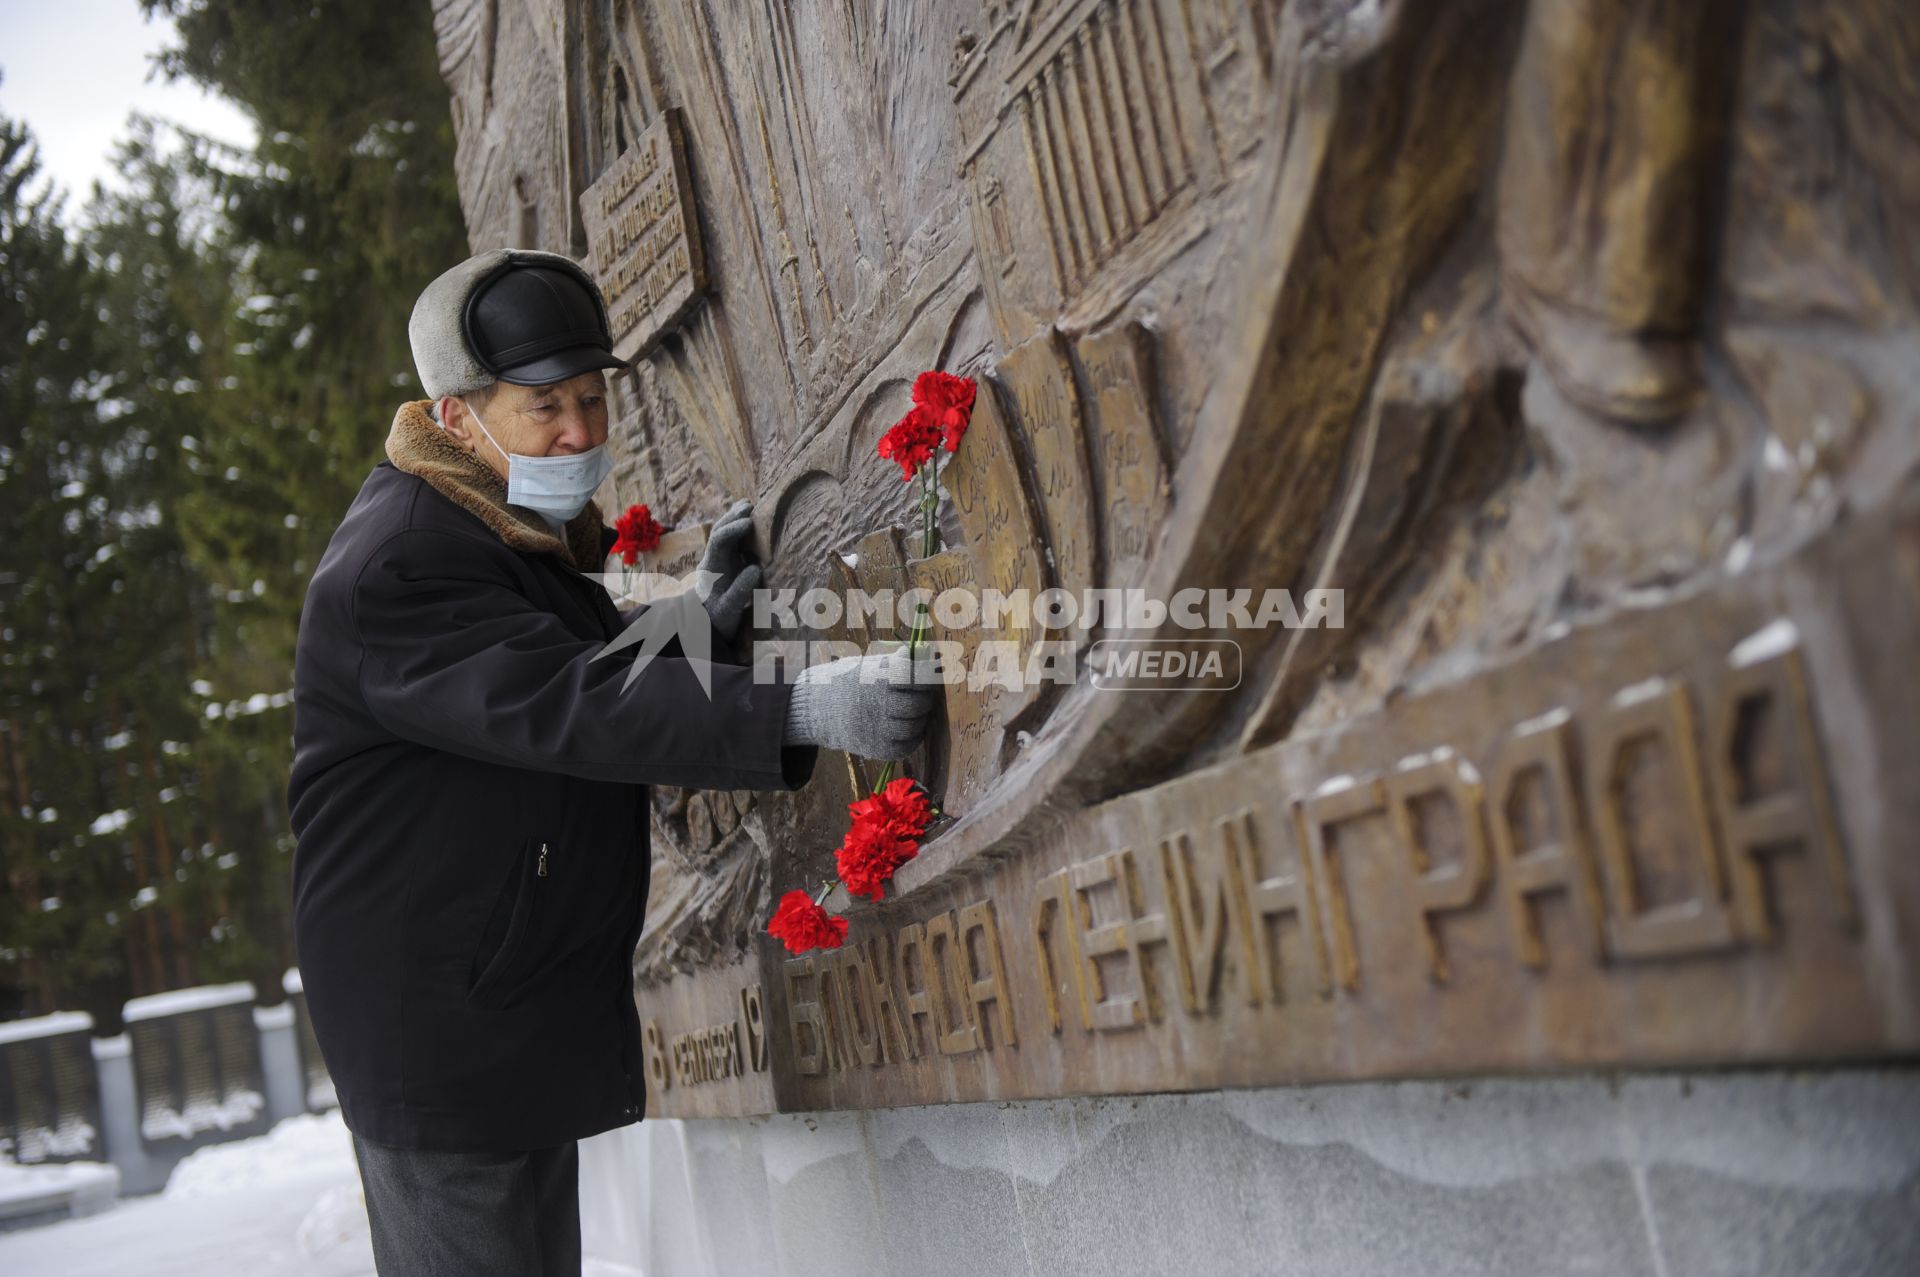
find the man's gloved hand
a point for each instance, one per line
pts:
(875, 706)
(727, 576)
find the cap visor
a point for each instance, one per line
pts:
(560, 365)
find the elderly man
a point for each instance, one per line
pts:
(469, 781)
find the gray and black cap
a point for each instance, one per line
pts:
(509, 314)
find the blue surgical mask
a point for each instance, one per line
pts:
(558, 488)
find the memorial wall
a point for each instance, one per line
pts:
(1561, 361)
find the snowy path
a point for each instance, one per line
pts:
(284, 1205)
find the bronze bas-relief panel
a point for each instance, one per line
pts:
(1637, 845)
(1267, 296)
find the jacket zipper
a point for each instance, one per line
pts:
(541, 868)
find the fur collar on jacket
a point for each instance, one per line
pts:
(420, 447)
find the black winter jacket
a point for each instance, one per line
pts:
(469, 797)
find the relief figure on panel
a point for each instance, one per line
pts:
(1608, 186)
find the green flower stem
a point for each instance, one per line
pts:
(929, 534)
(929, 546)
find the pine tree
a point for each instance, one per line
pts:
(346, 209)
(90, 567)
(192, 386)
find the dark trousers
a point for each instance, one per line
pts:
(472, 1214)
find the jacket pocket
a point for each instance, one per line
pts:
(508, 944)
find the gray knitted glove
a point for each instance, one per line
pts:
(875, 706)
(727, 577)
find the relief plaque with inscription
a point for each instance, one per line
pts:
(1553, 359)
(646, 240)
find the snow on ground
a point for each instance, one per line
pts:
(83, 1188)
(283, 1204)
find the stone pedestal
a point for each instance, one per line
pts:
(1711, 1175)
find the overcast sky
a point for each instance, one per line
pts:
(74, 69)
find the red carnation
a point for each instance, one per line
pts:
(911, 441)
(886, 834)
(637, 533)
(800, 924)
(949, 399)
(868, 857)
(900, 809)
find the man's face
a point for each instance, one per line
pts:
(559, 420)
